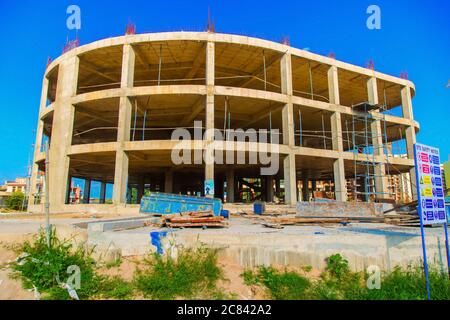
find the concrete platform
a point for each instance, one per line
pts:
(250, 244)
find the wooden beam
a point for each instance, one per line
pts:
(263, 114)
(198, 106)
(197, 62)
(94, 115)
(94, 69)
(258, 71)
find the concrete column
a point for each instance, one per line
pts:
(168, 182)
(103, 192)
(230, 185)
(290, 179)
(340, 184)
(38, 144)
(63, 118)
(372, 91)
(87, 191)
(269, 188)
(123, 128)
(410, 134)
(209, 137)
(333, 85)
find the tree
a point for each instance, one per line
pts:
(15, 200)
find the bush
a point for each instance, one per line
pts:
(15, 201)
(193, 272)
(409, 284)
(279, 285)
(46, 267)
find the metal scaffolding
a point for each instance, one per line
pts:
(369, 147)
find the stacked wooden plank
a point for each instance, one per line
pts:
(403, 215)
(195, 219)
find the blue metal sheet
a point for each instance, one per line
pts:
(166, 203)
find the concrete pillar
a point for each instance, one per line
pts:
(38, 144)
(340, 184)
(63, 118)
(333, 85)
(290, 177)
(123, 128)
(372, 91)
(103, 192)
(87, 191)
(410, 134)
(209, 137)
(230, 185)
(168, 182)
(269, 188)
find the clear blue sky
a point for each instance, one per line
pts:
(414, 37)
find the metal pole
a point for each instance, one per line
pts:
(159, 65)
(47, 200)
(270, 125)
(143, 125)
(265, 74)
(323, 133)
(422, 231)
(225, 118)
(311, 81)
(300, 127)
(446, 248)
(135, 118)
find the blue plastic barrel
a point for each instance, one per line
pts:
(259, 207)
(225, 214)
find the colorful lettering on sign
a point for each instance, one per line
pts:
(439, 192)
(428, 192)
(427, 204)
(423, 157)
(435, 160)
(429, 215)
(436, 171)
(427, 179)
(437, 182)
(426, 169)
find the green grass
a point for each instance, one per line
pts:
(193, 273)
(337, 282)
(46, 267)
(116, 288)
(279, 285)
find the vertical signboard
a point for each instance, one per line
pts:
(430, 196)
(430, 187)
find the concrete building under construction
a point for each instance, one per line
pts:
(109, 109)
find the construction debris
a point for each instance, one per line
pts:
(403, 216)
(195, 219)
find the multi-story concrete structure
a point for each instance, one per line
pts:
(109, 109)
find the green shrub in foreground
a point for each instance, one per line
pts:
(279, 285)
(195, 271)
(46, 267)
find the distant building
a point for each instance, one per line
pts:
(9, 187)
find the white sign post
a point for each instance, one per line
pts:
(430, 193)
